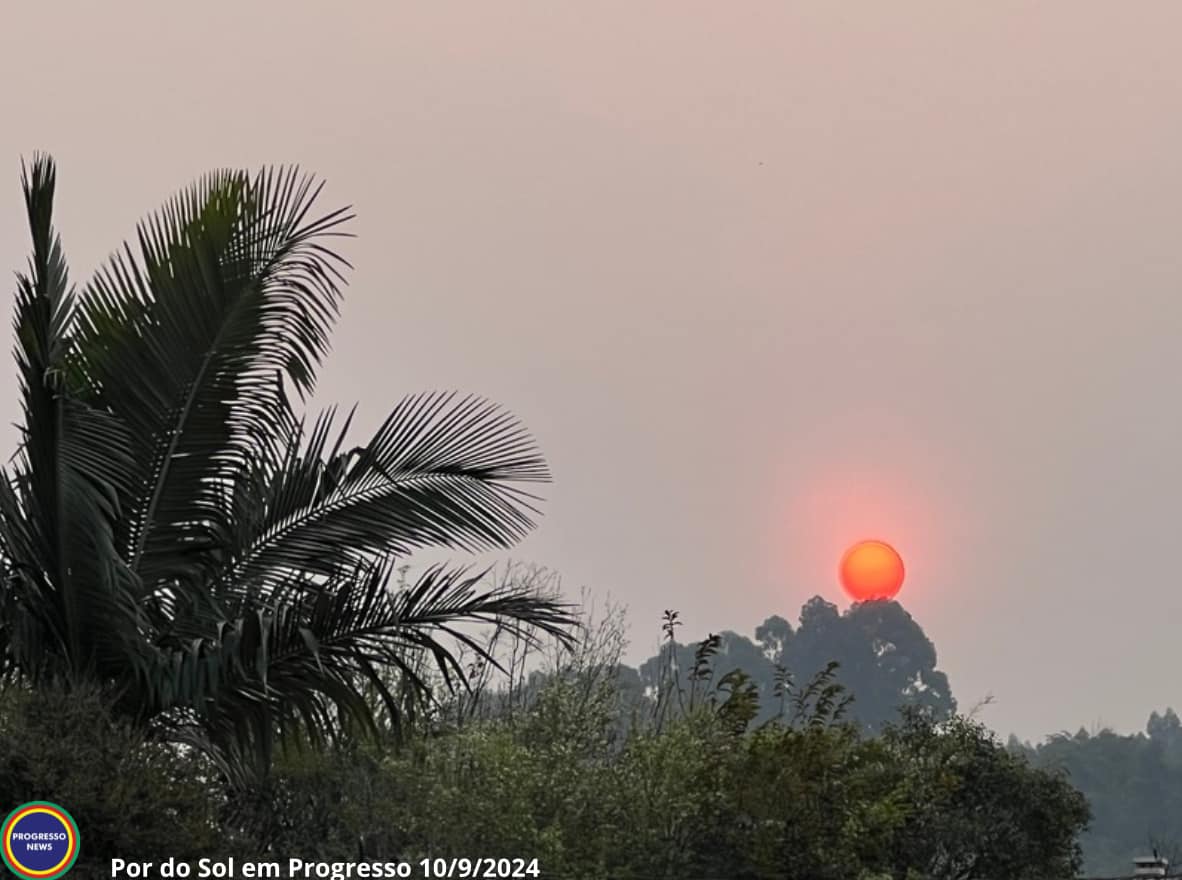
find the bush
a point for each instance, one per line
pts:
(130, 795)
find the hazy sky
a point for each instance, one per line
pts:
(763, 278)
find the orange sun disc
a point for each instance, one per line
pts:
(871, 570)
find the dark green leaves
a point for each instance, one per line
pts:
(441, 471)
(61, 507)
(234, 290)
(169, 531)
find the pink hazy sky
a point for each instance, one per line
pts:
(762, 278)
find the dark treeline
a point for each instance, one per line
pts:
(1133, 784)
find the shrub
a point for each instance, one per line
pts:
(128, 793)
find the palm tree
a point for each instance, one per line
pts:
(173, 532)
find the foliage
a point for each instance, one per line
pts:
(977, 810)
(173, 533)
(1134, 784)
(129, 794)
(886, 661)
(705, 791)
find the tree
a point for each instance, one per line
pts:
(976, 810)
(174, 533)
(886, 660)
(1166, 729)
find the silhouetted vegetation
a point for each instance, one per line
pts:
(884, 655)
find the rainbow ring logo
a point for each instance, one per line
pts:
(39, 841)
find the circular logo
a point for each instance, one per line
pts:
(39, 841)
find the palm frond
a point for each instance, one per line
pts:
(234, 290)
(312, 652)
(60, 508)
(441, 471)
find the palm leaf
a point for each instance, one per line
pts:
(306, 656)
(441, 471)
(60, 507)
(234, 291)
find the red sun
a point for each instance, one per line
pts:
(871, 570)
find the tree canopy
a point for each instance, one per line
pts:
(886, 661)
